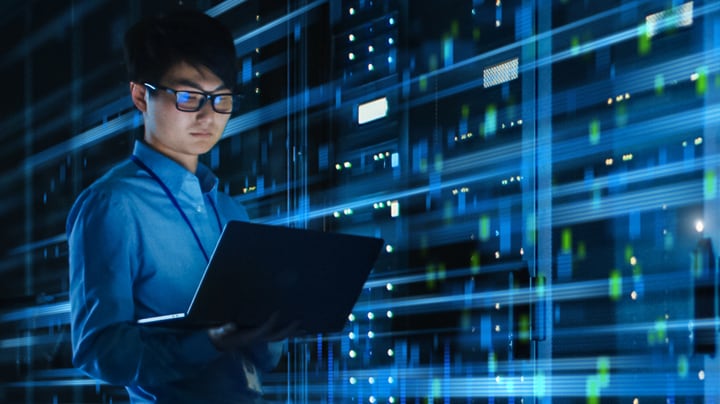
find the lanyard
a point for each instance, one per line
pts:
(177, 205)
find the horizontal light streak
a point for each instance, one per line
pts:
(433, 384)
(679, 194)
(247, 121)
(33, 340)
(223, 7)
(556, 293)
(662, 130)
(53, 383)
(427, 303)
(25, 248)
(655, 198)
(640, 175)
(450, 274)
(250, 40)
(50, 31)
(122, 123)
(56, 309)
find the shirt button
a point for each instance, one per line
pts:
(199, 209)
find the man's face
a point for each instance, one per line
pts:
(183, 136)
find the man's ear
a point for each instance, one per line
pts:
(137, 93)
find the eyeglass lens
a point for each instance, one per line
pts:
(187, 101)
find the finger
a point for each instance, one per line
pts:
(225, 329)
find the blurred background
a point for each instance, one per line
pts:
(544, 172)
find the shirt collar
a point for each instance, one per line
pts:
(173, 174)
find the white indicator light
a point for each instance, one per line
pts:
(395, 209)
(372, 110)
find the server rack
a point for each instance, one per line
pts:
(544, 174)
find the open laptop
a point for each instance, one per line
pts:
(301, 275)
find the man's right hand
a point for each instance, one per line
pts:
(229, 338)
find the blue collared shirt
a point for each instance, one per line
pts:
(131, 256)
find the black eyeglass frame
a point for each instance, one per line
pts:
(203, 100)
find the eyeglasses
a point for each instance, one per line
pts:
(193, 101)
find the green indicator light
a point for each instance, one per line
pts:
(594, 132)
(644, 43)
(592, 390)
(659, 84)
(530, 232)
(475, 263)
(683, 366)
(442, 271)
(423, 84)
(582, 250)
(484, 228)
(436, 388)
(658, 334)
(629, 253)
(448, 209)
(490, 120)
(465, 320)
(621, 115)
(575, 46)
(603, 368)
(430, 276)
(566, 243)
(615, 285)
(710, 185)
(433, 62)
(701, 83)
(438, 162)
(524, 328)
(455, 29)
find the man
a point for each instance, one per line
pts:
(140, 237)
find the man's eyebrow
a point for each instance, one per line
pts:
(190, 83)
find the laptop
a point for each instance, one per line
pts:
(309, 277)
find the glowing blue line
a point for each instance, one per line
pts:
(559, 292)
(38, 244)
(53, 383)
(273, 24)
(36, 311)
(639, 175)
(676, 195)
(87, 138)
(55, 28)
(223, 7)
(32, 340)
(637, 384)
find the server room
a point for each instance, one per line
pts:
(545, 175)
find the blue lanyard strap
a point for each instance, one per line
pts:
(177, 205)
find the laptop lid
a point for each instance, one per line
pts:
(301, 275)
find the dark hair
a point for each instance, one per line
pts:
(155, 44)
